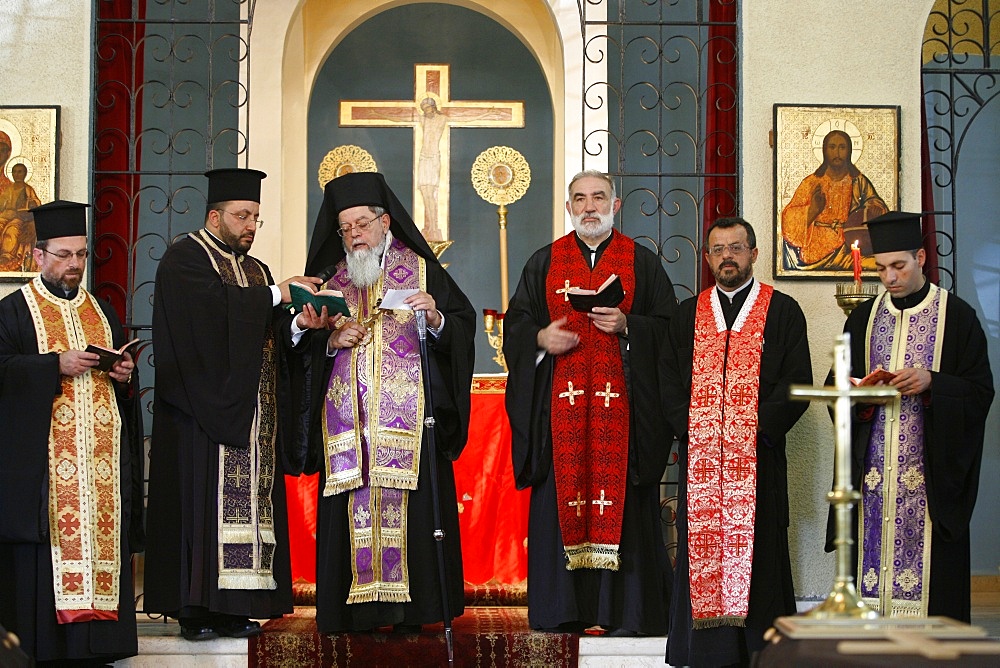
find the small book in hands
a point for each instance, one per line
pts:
(108, 356)
(611, 293)
(333, 300)
(876, 376)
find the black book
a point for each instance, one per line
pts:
(333, 300)
(108, 355)
(611, 293)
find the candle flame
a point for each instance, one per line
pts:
(855, 246)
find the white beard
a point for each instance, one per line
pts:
(592, 230)
(365, 266)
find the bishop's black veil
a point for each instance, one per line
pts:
(326, 248)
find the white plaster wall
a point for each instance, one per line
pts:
(812, 52)
(47, 61)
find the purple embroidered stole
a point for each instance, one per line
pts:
(84, 481)
(895, 527)
(374, 415)
(246, 475)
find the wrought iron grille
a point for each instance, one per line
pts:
(661, 91)
(960, 79)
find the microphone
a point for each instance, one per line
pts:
(421, 324)
(327, 273)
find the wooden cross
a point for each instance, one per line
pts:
(570, 393)
(564, 291)
(238, 476)
(607, 394)
(578, 503)
(432, 113)
(602, 502)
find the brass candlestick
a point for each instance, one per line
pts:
(843, 602)
(493, 320)
(849, 295)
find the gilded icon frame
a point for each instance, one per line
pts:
(808, 244)
(33, 132)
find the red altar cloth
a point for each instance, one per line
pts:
(492, 515)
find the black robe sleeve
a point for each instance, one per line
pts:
(209, 342)
(529, 382)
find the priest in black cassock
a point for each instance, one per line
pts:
(731, 353)
(916, 460)
(70, 460)
(587, 437)
(377, 561)
(218, 546)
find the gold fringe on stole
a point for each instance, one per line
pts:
(342, 481)
(716, 622)
(590, 555)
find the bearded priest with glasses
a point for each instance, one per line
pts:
(376, 562)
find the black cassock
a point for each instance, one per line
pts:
(28, 384)
(635, 596)
(451, 357)
(954, 424)
(784, 361)
(208, 343)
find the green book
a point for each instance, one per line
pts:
(333, 300)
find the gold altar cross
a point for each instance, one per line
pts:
(432, 113)
(843, 602)
(570, 393)
(564, 291)
(607, 394)
(578, 503)
(602, 502)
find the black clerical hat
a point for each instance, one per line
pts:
(359, 189)
(60, 219)
(895, 231)
(226, 185)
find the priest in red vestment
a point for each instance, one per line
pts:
(916, 460)
(582, 396)
(70, 460)
(731, 353)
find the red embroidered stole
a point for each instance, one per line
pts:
(590, 411)
(722, 456)
(85, 505)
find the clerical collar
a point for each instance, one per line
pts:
(731, 294)
(593, 253)
(912, 299)
(58, 291)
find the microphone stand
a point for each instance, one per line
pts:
(435, 496)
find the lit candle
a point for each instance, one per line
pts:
(856, 257)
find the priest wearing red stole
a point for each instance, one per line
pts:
(70, 460)
(377, 561)
(916, 460)
(582, 397)
(731, 353)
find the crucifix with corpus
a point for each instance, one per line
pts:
(432, 113)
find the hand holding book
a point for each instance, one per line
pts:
(109, 357)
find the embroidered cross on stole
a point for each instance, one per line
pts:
(246, 475)
(85, 505)
(374, 415)
(722, 456)
(590, 409)
(895, 555)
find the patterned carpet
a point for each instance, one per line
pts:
(489, 594)
(483, 636)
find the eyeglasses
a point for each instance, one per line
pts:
(65, 255)
(244, 216)
(735, 249)
(344, 230)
